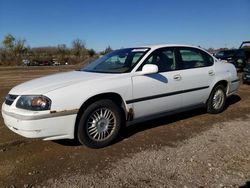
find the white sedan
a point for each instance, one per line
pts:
(126, 85)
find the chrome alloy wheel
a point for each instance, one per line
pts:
(218, 99)
(101, 124)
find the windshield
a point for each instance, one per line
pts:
(118, 61)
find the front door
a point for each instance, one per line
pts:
(156, 93)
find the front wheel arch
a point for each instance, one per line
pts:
(116, 98)
(100, 124)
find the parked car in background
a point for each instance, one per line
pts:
(235, 56)
(56, 63)
(238, 57)
(245, 46)
(246, 74)
(124, 86)
(40, 63)
(25, 62)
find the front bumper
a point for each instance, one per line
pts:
(45, 125)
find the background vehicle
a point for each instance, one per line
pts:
(246, 73)
(235, 56)
(245, 46)
(40, 63)
(238, 57)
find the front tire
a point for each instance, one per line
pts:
(99, 124)
(217, 100)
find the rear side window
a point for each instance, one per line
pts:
(193, 58)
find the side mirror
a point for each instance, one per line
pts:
(149, 69)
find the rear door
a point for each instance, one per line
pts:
(197, 73)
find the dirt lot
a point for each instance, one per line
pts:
(191, 149)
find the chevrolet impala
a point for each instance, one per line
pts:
(122, 87)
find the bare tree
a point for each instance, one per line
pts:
(62, 53)
(79, 51)
(107, 50)
(91, 52)
(19, 48)
(9, 42)
(78, 46)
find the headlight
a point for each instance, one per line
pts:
(36, 103)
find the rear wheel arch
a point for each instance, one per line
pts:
(116, 98)
(221, 82)
(217, 99)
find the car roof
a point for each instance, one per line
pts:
(156, 46)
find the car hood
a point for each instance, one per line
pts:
(49, 83)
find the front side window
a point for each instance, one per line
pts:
(118, 61)
(194, 58)
(163, 58)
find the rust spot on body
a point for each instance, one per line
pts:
(64, 111)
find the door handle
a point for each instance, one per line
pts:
(211, 73)
(177, 77)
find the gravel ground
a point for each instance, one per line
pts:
(212, 159)
(192, 149)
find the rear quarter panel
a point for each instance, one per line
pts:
(225, 72)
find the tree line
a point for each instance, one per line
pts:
(15, 51)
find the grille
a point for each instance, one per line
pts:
(9, 99)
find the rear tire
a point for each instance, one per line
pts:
(217, 100)
(99, 124)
